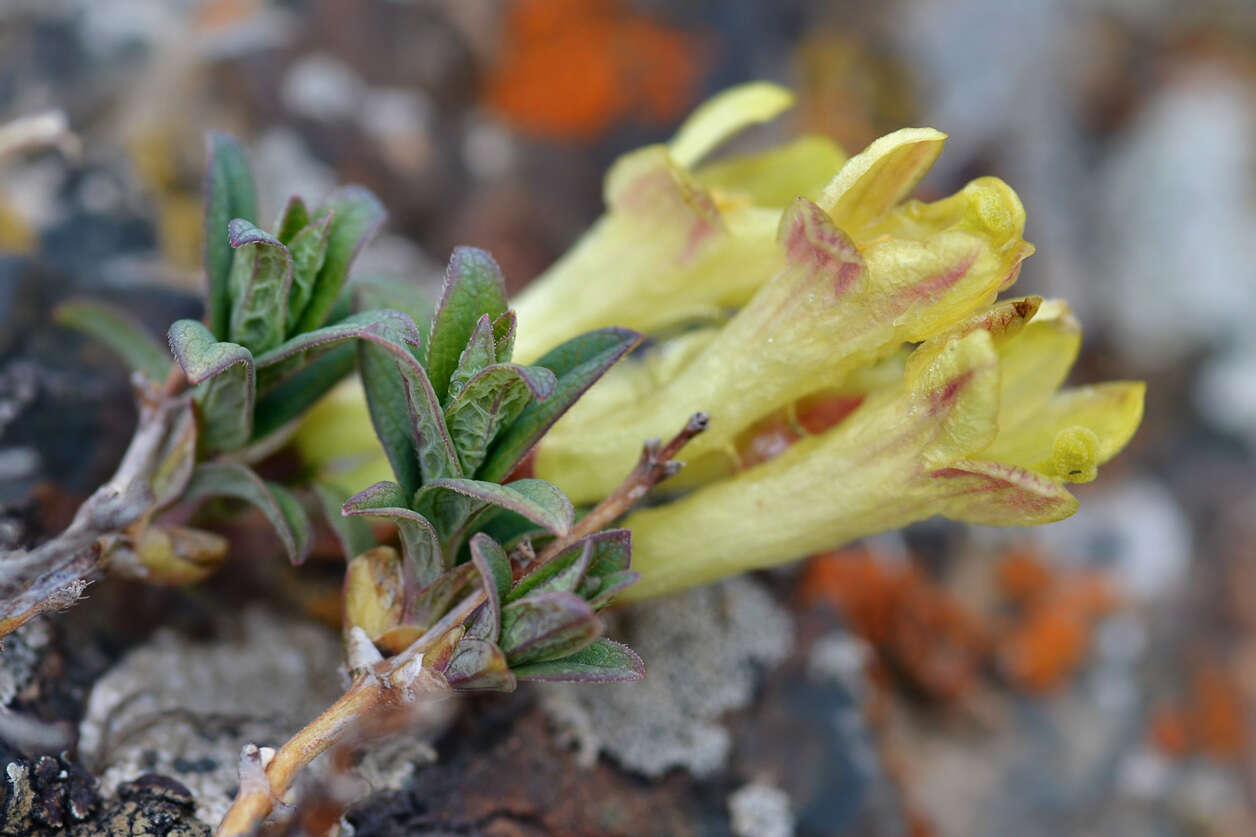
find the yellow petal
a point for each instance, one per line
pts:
(828, 312)
(724, 115)
(776, 176)
(868, 474)
(1037, 362)
(1112, 411)
(878, 178)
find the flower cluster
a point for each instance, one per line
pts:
(845, 341)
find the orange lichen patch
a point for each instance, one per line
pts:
(1047, 639)
(914, 625)
(570, 69)
(1208, 720)
(1044, 650)
(1218, 713)
(1170, 732)
(1023, 576)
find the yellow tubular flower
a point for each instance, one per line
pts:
(956, 437)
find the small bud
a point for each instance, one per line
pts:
(374, 591)
(167, 555)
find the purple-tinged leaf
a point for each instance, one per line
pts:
(419, 543)
(224, 379)
(435, 450)
(229, 193)
(604, 661)
(357, 216)
(309, 250)
(119, 332)
(391, 330)
(261, 276)
(491, 401)
(473, 288)
(478, 665)
(495, 574)
(434, 600)
(561, 574)
(281, 509)
(546, 626)
(611, 586)
(612, 552)
(480, 352)
(453, 502)
(576, 364)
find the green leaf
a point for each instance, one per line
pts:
(612, 552)
(478, 665)
(576, 364)
(434, 600)
(392, 330)
(436, 454)
(291, 398)
(610, 586)
(223, 376)
(390, 414)
(561, 574)
(608, 572)
(281, 509)
(452, 503)
(229, 193)
(492, 400)
(504, 337)
(357, 216)
(353, 533)
(546, 626)
(480, 352)
(120, 333)
(309, 250)
(294, 218)
(495, 573)
(473, 287)
(261, 276)
(603, 661)
(419, 543)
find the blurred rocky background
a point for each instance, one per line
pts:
(1096, 676)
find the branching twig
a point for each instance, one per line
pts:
(654, 466)
(52, 575)
(402, 680)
